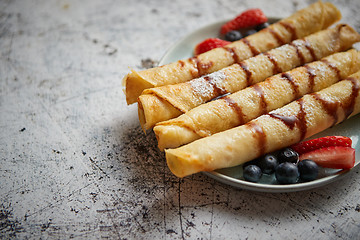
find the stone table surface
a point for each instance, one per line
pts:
(74, 162)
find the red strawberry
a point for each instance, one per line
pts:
(209, 44)
(329, 141)
(332, 157)
(249, 18)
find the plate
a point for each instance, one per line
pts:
(233, 176)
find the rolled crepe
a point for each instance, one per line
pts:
(282, 127)
(166, 102)
(240, 107)
(316, 17)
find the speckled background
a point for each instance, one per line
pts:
(74, 162)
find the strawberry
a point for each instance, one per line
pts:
(329, 141)
(332, 157)
(209, 44)
(249, 18)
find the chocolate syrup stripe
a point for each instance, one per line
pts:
(248, 73)
(290, 28)
(232, 104)
(331, 109)
(200, 66)
(232, 53)
(263, 104)
(312, 74)
(310, 49)
(260, 92)
(278, 38)
(292, 121)
(276, 68)
(218, 91)
(299, 53)
(349, 107)
(333, 67)
(294, 85)
(253, 50)
(260, 136)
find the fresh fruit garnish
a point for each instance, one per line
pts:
(250, 32)
(288, 155)
(332, 157)
(287, 173)
(209, 44)
(308, 170)
(267, 163)
(233, 36)
(262, 26)
(329, 141)
(249, 18)
(252, 173)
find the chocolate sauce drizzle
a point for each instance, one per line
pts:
(248, 73)
(294, 85)
(301, 116)
(218, 91)
(253, 50)
(278, 38)
(288, 121)
(292, 121)
(333, 67)
(310, 49)
(201, 67)
(260, 136)
(290, 28)
(181, 63)
(232, 53)
(349, 106)
(312, 74)
(260, 92)
(276, 68)
(231, 103)
(298, 53)
(329, 106)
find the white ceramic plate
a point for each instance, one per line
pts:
(233, 176)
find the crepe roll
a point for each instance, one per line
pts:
(240, 107)
(280, 128)
(304, 22)
(166, 102)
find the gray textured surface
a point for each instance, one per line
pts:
(73, 159)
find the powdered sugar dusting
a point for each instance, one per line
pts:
(204, 86)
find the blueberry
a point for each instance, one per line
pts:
(308, 170)
(288, 155)
(233, 36)
(252, 162)
(262, 26)
(268, 163)
(249, 32)
(287, 173)
(252, 173)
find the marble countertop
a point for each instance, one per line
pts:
(74, 162)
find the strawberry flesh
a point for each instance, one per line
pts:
(209, 44)
(249, 18)
(332, 157)
(328, 141)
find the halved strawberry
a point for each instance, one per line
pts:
(328, 141)
(249, 18)
(332, 157)
(209, 44)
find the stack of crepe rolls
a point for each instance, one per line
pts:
(166, 102)
(282, 127)
(304, 22)
(240, 107)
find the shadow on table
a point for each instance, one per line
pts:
(160, 201)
